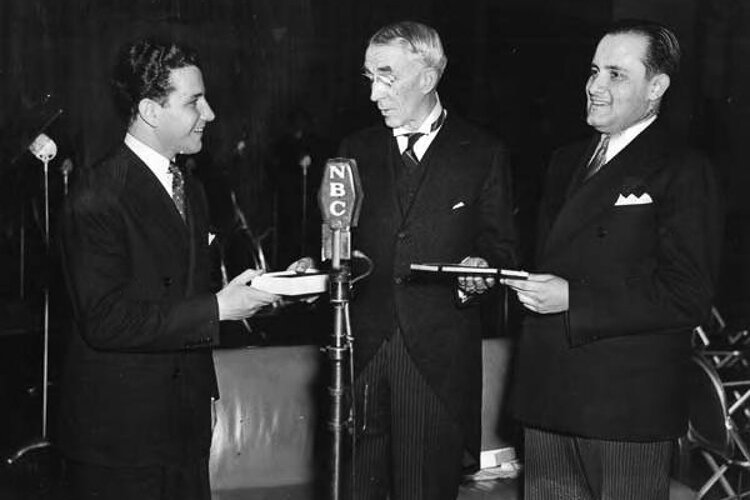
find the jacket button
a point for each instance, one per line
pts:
(401, 235)
(167, 281)
(398, 280)
(601, 232)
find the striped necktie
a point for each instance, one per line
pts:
(409, 156)
(178, 188)
(600, 156)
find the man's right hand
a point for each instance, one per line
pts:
(238, 301)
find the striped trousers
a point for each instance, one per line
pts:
(562, 467)
(407, 446)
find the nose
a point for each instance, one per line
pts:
(377, 90)
(596, 83)
(207, 114)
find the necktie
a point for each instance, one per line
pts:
(600, 156)
(409, 156)
(178, 189)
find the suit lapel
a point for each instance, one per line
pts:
(435, 160)
(386, 181)
(600, 192)
(151, 204)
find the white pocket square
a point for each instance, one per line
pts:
(211, 237)
(458, 205)
(632, 199)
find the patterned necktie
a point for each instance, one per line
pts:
(600, 156)
(178, 188)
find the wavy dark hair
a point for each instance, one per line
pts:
(142, 71)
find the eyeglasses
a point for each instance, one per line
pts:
(387, 80)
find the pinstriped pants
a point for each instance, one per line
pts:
(408, 447)
(561, 467)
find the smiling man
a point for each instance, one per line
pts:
(436, 189)
(138, 380)
(629, 237)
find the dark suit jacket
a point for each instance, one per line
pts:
(138, 375)
(462, 208)
(640, 278)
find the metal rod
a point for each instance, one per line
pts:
(337, 354)
(303, 227)
(45, 362)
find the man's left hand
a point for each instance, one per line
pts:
(475, 285)
(542, 293)
(302, 265)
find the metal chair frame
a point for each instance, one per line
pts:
(730, 449)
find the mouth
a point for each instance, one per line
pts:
(597, 103)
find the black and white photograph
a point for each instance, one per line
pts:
(349, 250)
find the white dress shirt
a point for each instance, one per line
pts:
(157, 163)
(618, 142)
(420, 147)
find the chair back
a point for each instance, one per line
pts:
(709, 421)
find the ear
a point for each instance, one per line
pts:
(149, 111)
(429, 80)
(659, 85)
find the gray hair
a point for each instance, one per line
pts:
(417, 38)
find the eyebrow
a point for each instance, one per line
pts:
(616, 68)
(380, 69)
(196, 95)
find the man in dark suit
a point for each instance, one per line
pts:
(435, 189)
(629, 231)
(138, 382)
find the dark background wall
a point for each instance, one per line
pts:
(516, 67)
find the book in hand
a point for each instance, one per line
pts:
(291, 283)
(444, 267)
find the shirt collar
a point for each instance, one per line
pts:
(154, 160)
(618, 142)
(426, 126)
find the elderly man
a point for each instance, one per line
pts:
(436, 189)
(628, 255)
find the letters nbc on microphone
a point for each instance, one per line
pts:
(340, 200)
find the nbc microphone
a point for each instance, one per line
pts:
(340, 199)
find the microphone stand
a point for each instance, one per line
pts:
(340, 199)
(339, 285)
(45, 150)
